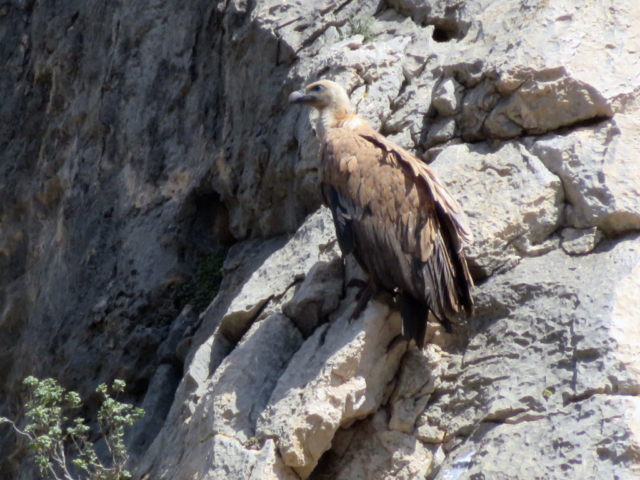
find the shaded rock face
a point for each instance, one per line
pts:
(137, 138)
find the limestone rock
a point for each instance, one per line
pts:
(415, 385)
(244, 381)
(339, 375)
(156, 405)
(301, 23)
(544, 101)
(167, 349)
(405, 124)
(370, 451)
(476, 107)
(598, 172)
(234, 370)
(563, 446)
(441, 131)
(269, 284)
(139, 137)
(452, 17)
(572, 358)
(225, 458)
(318, 296)
(447, 97)
(580, 241)
(518, 102)
(513, 202)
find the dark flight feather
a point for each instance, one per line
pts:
(392, 213)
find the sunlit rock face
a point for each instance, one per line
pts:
(141, 139)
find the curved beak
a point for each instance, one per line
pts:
(300, 98)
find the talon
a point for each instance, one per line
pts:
(363, 298)
(357, 282)
(396, 341)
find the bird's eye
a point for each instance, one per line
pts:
(317, 88)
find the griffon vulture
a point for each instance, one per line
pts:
(392, 213)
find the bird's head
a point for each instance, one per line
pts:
(322, 95)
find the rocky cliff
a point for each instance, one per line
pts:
(140, 140)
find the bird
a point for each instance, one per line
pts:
(392, 213)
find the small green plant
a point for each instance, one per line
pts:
(49, 431)
(206, 284)
(209, 274)
(361, 27)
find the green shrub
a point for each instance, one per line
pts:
(206, 284)
(361, 27)
(49, 431)
(209, 274)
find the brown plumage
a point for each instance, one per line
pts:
(392, 213)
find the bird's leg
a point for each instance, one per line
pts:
(358, 282)
(365, 296)
(397, 340)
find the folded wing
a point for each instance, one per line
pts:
(399, 221)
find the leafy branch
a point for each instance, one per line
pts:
(49, 431)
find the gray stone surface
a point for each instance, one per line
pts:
(156, 405)
(244, 381)
(369, 450)
(599, 173)
(579, 241)
(416, 383)
(513, 202)
(556, 447)
(224, 458)
(558, 322)
(447, 97)
(339, 375)
(270, 285)
(317, 296)
(441, 131)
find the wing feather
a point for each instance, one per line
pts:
(439, 193)
(342, 212)
(408, 232)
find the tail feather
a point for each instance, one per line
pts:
(414, 319)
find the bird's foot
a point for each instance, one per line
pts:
(363, 299)
(446, 323)
(358, 282)
(397, 340)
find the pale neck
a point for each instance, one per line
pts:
(329, 118)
